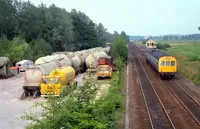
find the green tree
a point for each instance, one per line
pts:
(115, 35)
(124, 36)
(15, 49)
(40, 48)
(60, 29)
(8, 19)
(119, 48)
(101, 31)
(85, 34)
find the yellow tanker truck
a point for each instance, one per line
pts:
(57, 79)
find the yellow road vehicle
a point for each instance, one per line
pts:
(57, 79)
(104, 71)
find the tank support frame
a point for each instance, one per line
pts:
(30, 91)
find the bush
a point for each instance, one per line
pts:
(194, 58)
(118, 48)
(163, 46)
(76, 108)
(15, 49)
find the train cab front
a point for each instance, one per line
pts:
(167, 66)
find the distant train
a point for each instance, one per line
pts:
(164, 64)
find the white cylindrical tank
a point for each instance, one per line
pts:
(107, 49)
(4, 60)
(54, 57)
(68, 60)
(92, 59)
(5, 67)
(34, 74)
(46, 68)
(46, 59)
(64, 62)
(77, 63)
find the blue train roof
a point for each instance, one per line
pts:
(156, 53)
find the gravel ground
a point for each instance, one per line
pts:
(11, 108)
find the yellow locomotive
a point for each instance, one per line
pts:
(163, 63)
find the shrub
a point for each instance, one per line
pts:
(75, 108)
(163, 46)
(194, 58)
(118, 48)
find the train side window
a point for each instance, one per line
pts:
(172, 63)
(162, 63)
(167, 63)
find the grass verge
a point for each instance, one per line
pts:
(188, 59)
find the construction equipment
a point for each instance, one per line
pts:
(57, 79)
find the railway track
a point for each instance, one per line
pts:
(185, 97)
(189, 103)
(157, 113)
(188, 89)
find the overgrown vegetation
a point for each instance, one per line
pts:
(119, 52)
(163, 46)
(79, 108)
(188, 60)
(47, 29)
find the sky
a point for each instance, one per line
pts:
(138, 17)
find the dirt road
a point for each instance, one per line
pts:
(11, 108)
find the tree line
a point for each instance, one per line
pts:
(177, 37)
(28, 31)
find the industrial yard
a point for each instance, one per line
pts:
(12, 108)
(24, 89)
(62, 68)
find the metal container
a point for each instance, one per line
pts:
(33, 76)
(67, 74)
(4, 61)
(77, 63)
(5, 67)
(92, 59)
(56, 80)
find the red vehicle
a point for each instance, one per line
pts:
(106, 61)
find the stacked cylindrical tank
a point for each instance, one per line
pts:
(78, 60)
(5, 67)
(35, 73)
(92, 59)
